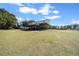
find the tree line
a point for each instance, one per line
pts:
(67, 27)
(9, 21)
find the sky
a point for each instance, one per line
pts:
(56, 13)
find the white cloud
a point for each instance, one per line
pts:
(42, 19)
(45, 10)
(18, 4)
(75, 22)
(52, 17)
(28, 10)
(25, 9)
(47, 6)
(55, 11)
(34, 11)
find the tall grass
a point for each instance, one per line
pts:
(43, 43)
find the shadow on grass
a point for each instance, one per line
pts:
(33, 29)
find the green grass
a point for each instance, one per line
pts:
(43, 43)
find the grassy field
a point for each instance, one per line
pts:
(46, 43)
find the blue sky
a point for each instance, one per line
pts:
(57, 13)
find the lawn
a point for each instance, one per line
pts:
(43, 43)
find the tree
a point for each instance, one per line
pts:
(44, 26)
(7, 19)
(76, 26)
(30, 25)
(24, 23)
(34, 25)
